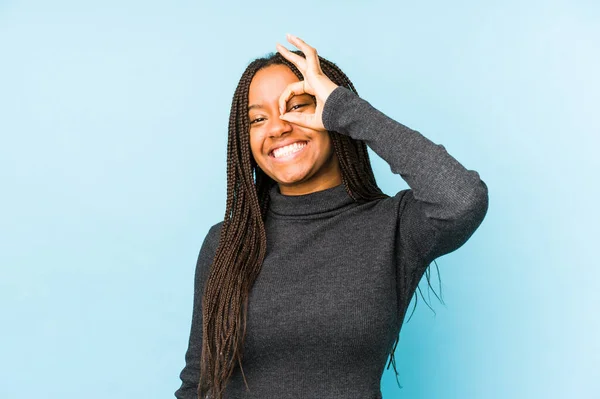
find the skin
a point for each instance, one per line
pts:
(314, 168)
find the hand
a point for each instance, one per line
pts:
(315, 83)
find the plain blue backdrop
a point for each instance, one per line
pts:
(113, 124)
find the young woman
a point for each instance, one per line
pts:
(301, 291)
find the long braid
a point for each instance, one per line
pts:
(241, 247)
(243, 244)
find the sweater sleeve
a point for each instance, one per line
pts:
(190, 375)
(445, 203)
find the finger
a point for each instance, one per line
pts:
(298, 61)
(300, 119)
(291, 90)
(310, 52)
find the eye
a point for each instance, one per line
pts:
(256, 120)
(295, 107)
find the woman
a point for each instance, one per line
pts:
(309, 276)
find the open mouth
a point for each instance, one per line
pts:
(289, 152)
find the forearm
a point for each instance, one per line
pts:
(436, 178)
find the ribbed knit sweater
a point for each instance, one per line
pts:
(338, 275)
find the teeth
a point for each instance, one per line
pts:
(288, 149)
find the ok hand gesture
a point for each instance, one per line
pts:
(315, 83)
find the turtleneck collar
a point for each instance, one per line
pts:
(316, 204)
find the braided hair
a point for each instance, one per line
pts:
(242, 244)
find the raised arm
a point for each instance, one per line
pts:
(445, 203)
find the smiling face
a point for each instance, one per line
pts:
(308, 166)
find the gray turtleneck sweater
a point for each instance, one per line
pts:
(338, 276)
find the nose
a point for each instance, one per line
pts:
(277, 126)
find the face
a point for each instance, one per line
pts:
(300, 169)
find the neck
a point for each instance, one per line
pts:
(308, 206)
(329, 176)
(307, 189)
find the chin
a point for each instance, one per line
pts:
(290, 174)
(291, 181)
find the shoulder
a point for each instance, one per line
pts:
(208, 251)
(215, 231)
(393, 203)
(211, 240)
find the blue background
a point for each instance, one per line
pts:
(113, 123)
